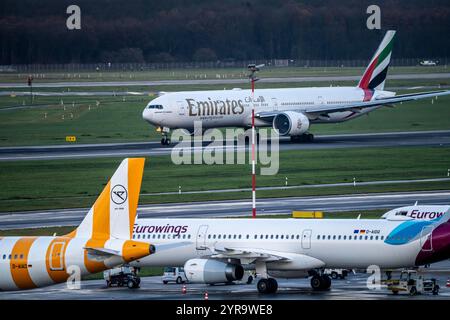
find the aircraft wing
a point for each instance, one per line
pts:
(247, 253)
(251, 255)
(357, 106)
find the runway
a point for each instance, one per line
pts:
(354, 287)
(65, 84)
(153, 148)
(233, 208)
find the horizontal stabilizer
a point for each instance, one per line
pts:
(100, 254)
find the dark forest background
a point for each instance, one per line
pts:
(209, 30)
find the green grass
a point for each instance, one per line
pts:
(121, 121)
(77, 183)
(196, 73)
(106, 122)
(391, 84)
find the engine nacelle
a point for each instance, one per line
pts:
(290, 123)
(212, 271)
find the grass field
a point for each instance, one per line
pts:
(394, 85)
(107, 121)
(115, 120)
(195, 73)
(77, 183)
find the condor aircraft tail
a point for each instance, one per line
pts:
(375, 75)
(102, 241)
(113, 214)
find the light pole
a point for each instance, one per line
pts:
(30, 84)
(253, 69)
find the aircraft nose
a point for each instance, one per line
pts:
(147, 115)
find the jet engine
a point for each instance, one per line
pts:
(290, 123)
(212, 271)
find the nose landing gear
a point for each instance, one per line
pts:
(165, 140)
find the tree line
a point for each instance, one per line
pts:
(210, 30)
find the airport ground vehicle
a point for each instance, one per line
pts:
(124, 275)
(414, 283)
(336, 273)
(174, 274)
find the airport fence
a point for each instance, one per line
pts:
(118, 67)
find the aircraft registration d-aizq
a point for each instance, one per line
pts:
(289, 111)
(218, 250)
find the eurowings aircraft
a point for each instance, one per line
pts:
(218, 250)
(422, 212)
(289, 111)
(102, 241)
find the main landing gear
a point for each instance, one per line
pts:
(269, 285)
(320, 282)
(306, 137)
(265, 285)
(165, 140)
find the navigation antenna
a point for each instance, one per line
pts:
(253, 68)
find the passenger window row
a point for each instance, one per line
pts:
(296, 103)
(256, 236)
(16, 256)
(161, 236)
(345, 237)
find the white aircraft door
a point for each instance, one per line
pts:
(200, 242)
(320, 100)
(181, 108)
(425, 235)
(306, 239)
(56, 256)
(274, 104)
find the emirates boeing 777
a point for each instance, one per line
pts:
(289, 111)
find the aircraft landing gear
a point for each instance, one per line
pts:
(266, 286)
(306, 137)
(165, 141)
(320, 282)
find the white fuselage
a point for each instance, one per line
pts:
(332, 241)
(232, 108)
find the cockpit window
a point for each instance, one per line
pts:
(401, 213)
(155, 106)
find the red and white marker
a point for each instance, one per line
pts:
(206, 295)
(253, 152)
(253, 69)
